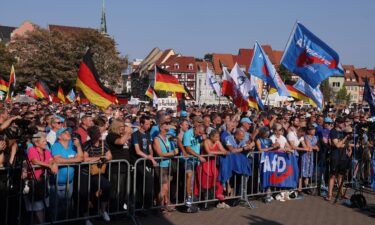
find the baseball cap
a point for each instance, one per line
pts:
(62, 130)
(183, 114)
(328, 120)
(171, 132)
(245, 120)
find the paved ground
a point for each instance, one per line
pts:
(311, 210)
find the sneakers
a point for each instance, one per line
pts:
(222, 205)
(88, 222)
(106, 216)
(189, 201)
(268, 199)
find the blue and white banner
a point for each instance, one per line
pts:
(309, 57)
(279, 170)
(314, 93)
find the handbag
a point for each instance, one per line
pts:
(98, 168)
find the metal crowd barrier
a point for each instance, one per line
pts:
(148, 181)
(134, 189)
(78, 200)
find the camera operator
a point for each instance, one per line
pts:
(339, 156)
(10, 132)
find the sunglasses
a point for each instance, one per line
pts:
(59, 122)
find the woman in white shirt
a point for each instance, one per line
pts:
(278, 137)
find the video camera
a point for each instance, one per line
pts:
(23, 132)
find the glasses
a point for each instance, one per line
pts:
(59, 122)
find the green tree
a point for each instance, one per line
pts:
(54, 57)
(342, 97)
(326, 91)
(6, 60)
(208, 57)
(284, 73)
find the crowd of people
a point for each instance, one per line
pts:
(208, 145)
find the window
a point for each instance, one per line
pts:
(190, 66)
(353, 80)
(347, 79)
(335, 84)
(347, 71)
(176, 66)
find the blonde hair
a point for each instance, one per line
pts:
(116, 126)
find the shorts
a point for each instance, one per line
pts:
(191, 165)
(163, 174)
(339, 167)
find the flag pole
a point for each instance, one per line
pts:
(290, 39)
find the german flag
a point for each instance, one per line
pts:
(164, 81)
(88, 82)
(150, 92)
(11, 85)
(41, 90)
(253, 103)
(299, 95)
(60, 95)
(4, 85)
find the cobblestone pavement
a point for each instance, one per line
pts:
(310, 210)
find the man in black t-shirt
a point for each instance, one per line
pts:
(140, 147)
(339, 158)
(140, 143)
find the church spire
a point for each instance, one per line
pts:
(103, 22)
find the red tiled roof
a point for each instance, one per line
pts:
(202, 66)
(163, 56)
(348, 68)
(183, 63)
(269, 52)
(244, 57)
(277, 55)
(218, 59)
(68, 28)
(371, 71)
(362, 73)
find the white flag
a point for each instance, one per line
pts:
(242, 82)
(210, 79)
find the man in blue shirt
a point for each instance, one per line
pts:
(65, 151)
(192, 140)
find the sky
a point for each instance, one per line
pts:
(196, 27)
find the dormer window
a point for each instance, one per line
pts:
(190, 66)
(176, 66)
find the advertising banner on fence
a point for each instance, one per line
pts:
(279, 170)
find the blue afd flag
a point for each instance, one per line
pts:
(279, 170)
(314, 93)
(262, 68)
(310, 58)
(368, 96)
